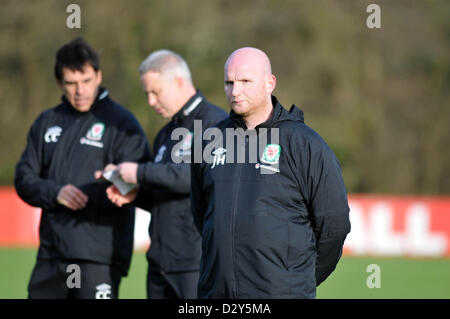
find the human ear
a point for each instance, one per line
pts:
(179, 82)
(60, 85)
(271, 82)
(99, 77)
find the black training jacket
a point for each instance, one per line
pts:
(165, 189)
(65, 146)
(274, 226)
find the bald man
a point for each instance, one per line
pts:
(273, 225)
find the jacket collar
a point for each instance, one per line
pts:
(238, 121)
(188, 108)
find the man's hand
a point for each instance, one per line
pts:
(109, 167)
(117, 198)
(72, 197)
(128, 172)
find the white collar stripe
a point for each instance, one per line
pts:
(192, 106)
(103, 95)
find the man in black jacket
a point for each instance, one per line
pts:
(174, 254)
(269, 201)
(85, 241)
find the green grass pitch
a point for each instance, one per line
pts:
(399, 278)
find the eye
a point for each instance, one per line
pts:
(228, 82)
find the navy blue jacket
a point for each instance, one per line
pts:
(165, 185)
(274, 226)
(65, 146)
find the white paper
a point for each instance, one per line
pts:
(114, 177)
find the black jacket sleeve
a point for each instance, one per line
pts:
(28, 181)
(175, 177)
(131, 145)
(328, 208)
(198, 205)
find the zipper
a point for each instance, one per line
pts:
(233, 219)
(233, 242)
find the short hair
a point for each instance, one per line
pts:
(167, 63)
(74, 55)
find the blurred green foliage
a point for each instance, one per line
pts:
(379, 97)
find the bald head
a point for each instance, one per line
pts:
(250, 56)
(249, 83)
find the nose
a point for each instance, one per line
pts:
(235, 90)
(151, 99)
(80, 89)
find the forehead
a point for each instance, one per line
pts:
(152, 80)
(239, 68)
(73, 75)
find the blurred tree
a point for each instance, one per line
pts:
(379, 97)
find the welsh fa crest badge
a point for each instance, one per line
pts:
(271, 154)
(95, 133)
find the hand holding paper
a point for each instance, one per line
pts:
(114, 177)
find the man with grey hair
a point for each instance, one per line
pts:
(164, 183)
